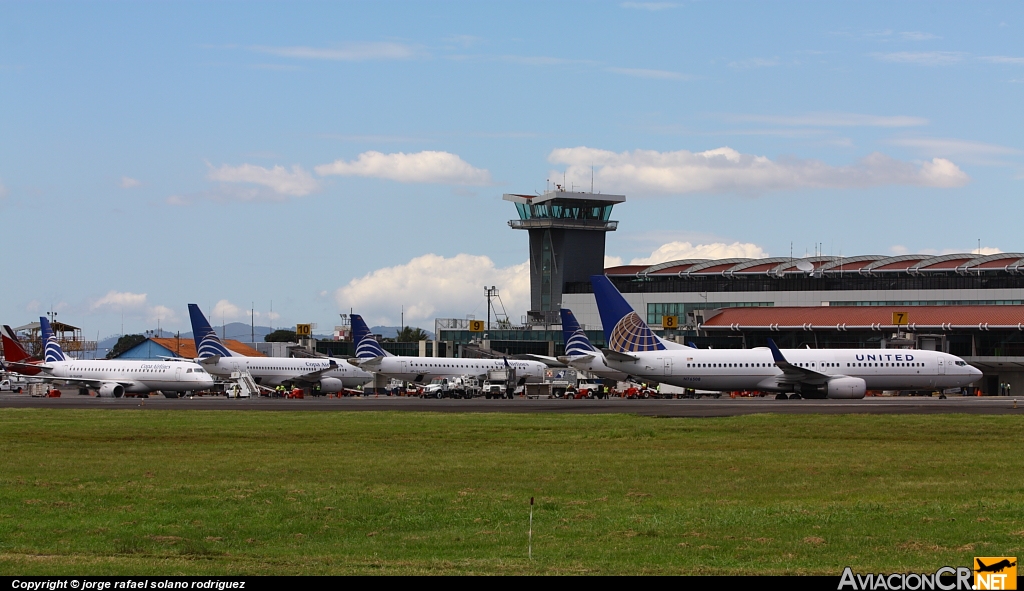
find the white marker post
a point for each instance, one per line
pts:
(530, 546)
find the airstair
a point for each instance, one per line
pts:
(242, 385)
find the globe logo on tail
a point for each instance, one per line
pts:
(631, 335)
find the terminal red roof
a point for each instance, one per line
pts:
(187, 348)
(625, 269)
(849, 317)
(673, 270)
(828, 265)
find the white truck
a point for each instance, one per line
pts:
(459, 387)
(500, 383)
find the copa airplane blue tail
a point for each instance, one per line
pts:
(51, 348)
(624, 330)
(576, 341)
(367, 347)
(208, 344)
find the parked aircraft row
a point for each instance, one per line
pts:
(635, 351)
(109, 377)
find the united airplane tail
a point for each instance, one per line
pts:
(576, 341)
(51, 348)
(208, 344)
(624, 330)
(367, 347)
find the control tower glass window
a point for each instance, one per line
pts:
(563, 212)
(545, 272)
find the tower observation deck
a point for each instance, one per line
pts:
(567, 239)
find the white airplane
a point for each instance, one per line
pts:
(581, 354)
(115, 377)
(811, 373)
(333, 375)
(419, 370)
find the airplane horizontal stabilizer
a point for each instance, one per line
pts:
(616, 356)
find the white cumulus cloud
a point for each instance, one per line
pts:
(674, 251)
(296, 182)
(726, 170)
(433, 286)
(134, 304)
(225, 310)
(120, 299)
(420, 167)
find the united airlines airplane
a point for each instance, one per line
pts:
(333, 375)
(115, 377)
(370, 355)
(633, 348)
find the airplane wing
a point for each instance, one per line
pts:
(576, 358)
(792, 374)
(88, 382)
(548, 361)
(616, 356)
(370, 363)
(314, 376)
(15, 365)
(211, 360)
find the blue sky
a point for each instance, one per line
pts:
(328, 156)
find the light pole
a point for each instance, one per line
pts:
(490, 292)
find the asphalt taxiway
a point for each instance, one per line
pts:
(664, 408)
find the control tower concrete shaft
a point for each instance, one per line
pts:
(567, 236)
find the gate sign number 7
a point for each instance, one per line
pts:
(899, 318)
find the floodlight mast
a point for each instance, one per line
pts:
(490, 292)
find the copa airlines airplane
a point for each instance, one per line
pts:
(115, 377)
(370, 355)
(581, 354)
(333, 375)
(812, 373)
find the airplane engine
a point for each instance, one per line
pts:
(845, 388)
(108, 389)
(330, 385)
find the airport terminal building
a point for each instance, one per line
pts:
(970, 305)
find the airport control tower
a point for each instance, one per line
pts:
(566, 243)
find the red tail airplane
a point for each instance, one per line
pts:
(17, 359)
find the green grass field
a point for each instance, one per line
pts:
(190, 492)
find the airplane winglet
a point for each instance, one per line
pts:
(776, 354)
(691, 344)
